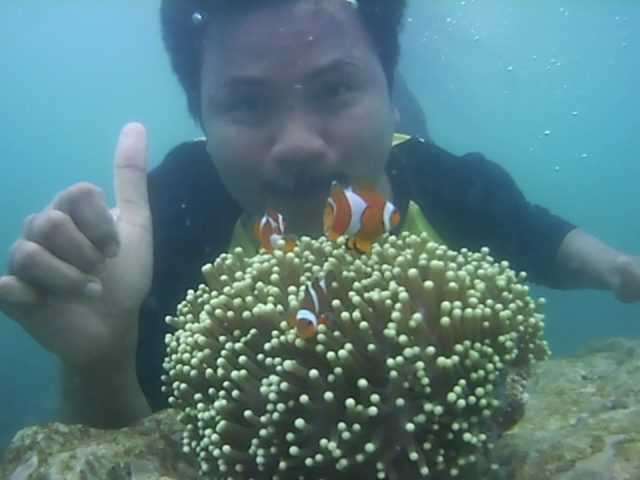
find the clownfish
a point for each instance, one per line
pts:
(361, 213)
(313, 309)
(270, 229)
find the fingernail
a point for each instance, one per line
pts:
(93, 288)
(112, 250)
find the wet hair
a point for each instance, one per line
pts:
(184, 25)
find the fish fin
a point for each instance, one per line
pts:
(394, 219)
(363, 245)
(328, 217)
(256, 227)
(337, 214)
(267, 248)
(365, 185)
(290, 242)
(359, 244)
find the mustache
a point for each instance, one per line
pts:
(301, 182)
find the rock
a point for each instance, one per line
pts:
(581, 422)
(150, 450)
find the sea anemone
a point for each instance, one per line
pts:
(405, 380)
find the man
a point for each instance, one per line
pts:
(291, 95)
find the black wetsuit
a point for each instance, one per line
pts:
(470, 201)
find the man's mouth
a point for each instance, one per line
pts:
(300, 185)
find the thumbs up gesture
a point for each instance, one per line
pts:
(79, 272)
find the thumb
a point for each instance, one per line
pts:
(130, 175)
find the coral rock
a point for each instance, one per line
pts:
(148, 451)
(582, 420)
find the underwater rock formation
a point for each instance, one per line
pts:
(582, 420)
(149, 450)
(581, 423)
(416, 373)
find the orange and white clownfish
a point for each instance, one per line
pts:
(270, 229)
(361, 213)
(313, 309)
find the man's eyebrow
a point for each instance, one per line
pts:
(334, 66)
(254, 81)
(243, 81)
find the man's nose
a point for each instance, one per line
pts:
(298, 141)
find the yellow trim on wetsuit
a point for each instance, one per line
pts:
(240, 238)
(399, 138)
(417, 223)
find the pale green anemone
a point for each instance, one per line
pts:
(406, 380)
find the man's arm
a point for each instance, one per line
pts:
(473, 202)
(583, 261)
(102, 397)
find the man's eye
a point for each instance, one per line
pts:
(335, 90)
(248, 105)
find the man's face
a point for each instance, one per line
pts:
(293, 97)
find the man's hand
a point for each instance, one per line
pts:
(585, 262)
(627, 289)
(75, 281)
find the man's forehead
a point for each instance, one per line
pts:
(304, 35)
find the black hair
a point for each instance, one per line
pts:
(182, 33)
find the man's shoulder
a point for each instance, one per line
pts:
(186, 155)
(187, 167)
(413, 148)
(197, 146)
(432, 163)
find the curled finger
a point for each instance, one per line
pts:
(56, 232)
(85, 204)
(16, 297)
(39, 268)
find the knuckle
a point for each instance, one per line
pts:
(49, 223)
(27, 222)
(85, 201)
(85, 191)
(25, 255)
(12, 259)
